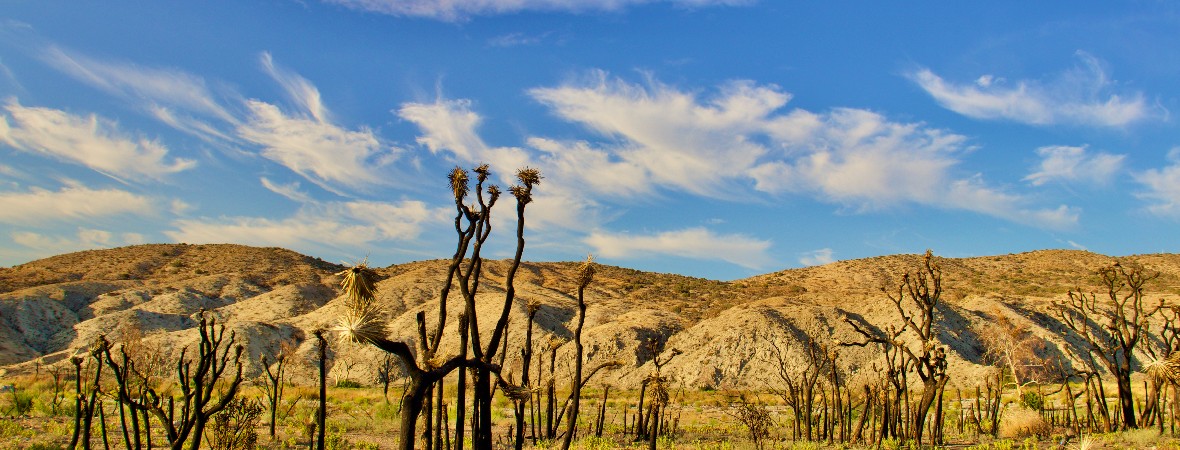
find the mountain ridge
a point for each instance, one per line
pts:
(51, 308)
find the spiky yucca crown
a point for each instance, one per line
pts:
(458, 178)
(528, 178)
(1165, 369)
(362, 320)
(586, 272)
(359, 285)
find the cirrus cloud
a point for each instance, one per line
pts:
(1074, 164)
(89, 141)
(1082, 96)
(455, 10)
(694, 243)
(83, 239)
(354, 226)
(1162, 187)
(736, 143)
(40, 206)
(323, 153)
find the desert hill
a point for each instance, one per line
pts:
(52, 308)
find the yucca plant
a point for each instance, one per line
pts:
(364, 322)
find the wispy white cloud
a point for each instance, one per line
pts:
(84, 239)
(455, 10)
(447, 125)
(149, 86)
(39, 206)
(1074, 164)
(860, 158)
(719, 146)
(515, 40)
(356, 225)
(693, 243)
(733, 144)
(449, 128)
(89, 141)
(290, 191)
(972, 194)
(1162, 187)
(1081, 96)
(323, 153)
(817, 257)
(678, 140)
(298, 88)
(308, 143)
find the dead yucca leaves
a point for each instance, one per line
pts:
(365, 325)
(514, 392)
(458, 178)
(659, 389)
(528, 178)
(1166, 370)
(359, 286)
(362, 320)
(586, 272)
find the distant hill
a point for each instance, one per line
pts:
(52, 308)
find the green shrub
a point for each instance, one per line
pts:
(21, 402)
(1033, 400)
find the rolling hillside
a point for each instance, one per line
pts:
(52, 308)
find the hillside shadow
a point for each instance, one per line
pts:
(956, 332)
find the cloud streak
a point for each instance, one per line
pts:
(84, 239)
(1075, 165)
(354, 226)
(309, 144)
(1162, 187)
(738, 143)
(1082, 96)
(458, 10)
(817, 257)
(167, 86)
(39, 206)
(323, 153)
(693, 243)
(89, 141)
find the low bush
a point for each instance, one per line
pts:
(1021, 423)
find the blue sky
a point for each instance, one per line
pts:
(714, 138)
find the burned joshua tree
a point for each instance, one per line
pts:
(365, 322)
(914, 339)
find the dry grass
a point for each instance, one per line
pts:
(1021, 423)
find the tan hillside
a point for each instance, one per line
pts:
(53, 307)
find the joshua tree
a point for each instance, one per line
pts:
(526, 356)
(1113, 330)
(585, 275)
(273, 380)
(386, 369)
(364, 322)
(754, 415)
(197, 384)
(801, 376)
(647, 425)
(83, 408)
(923, 288)
(321, 415)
